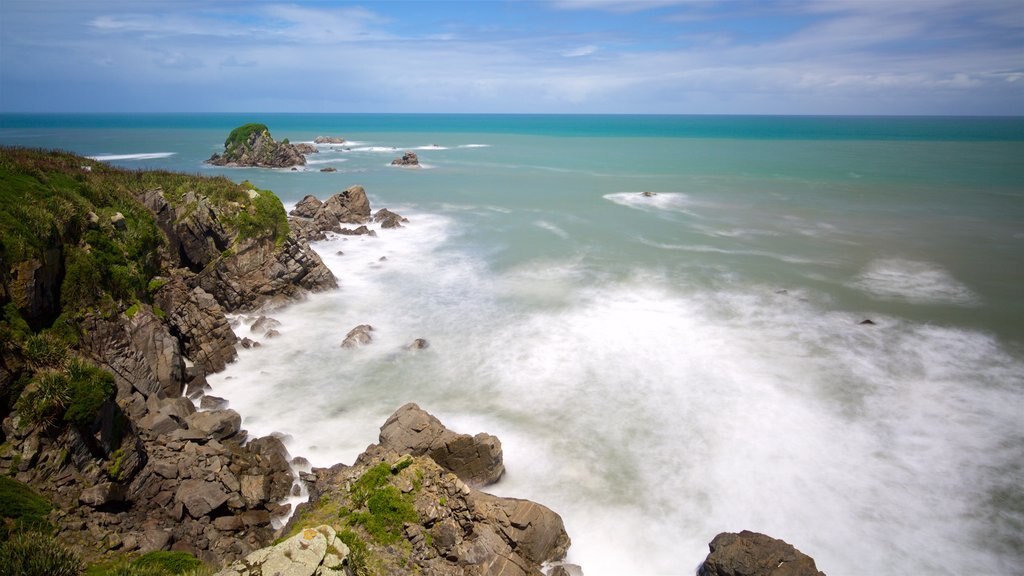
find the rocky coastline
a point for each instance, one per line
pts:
(141, 469)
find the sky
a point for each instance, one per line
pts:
(859, 57)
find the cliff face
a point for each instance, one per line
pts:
(252, 145)
(114, 291)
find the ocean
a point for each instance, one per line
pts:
(663, 367)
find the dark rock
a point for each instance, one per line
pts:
(408, 159)
(303, 148)
(200, 497)
(350, 206)
(248, 343)
(477, 460)
(358, 336)
(329, 169)
(388, 219)
(566, 570)
(216, 424)
(418, 344)
(362, 230)
(867, 322)
(198, 321)
(753, 554)
(307, 207)
(272, 334)
(263, 324)
(212, 403)
(260, 150)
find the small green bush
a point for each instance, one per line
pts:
(387, 509)
(89, 387)
(36, 554)
(44, 350)
(240, 135)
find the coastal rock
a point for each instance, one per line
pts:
(307, 207)
(216, 424)
(328, 140)
(477, 460)
(418, 344)
(350, 206)
(303, 148)
(329, 169)
(313, 551)
(102, 494)
(360, 231)
(198, 321)
(200, 497)
(388, 219)
(408, 159)
(263, 324)
(754, 554)
(252, 145)
(34, 287)
(358, 336)
(446, 527)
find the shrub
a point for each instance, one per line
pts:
(45, 398)
(240, 135)
(36, 554)
(44, 350)
(89, 387)
(387, 509)
(169, 562)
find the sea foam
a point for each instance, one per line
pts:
(144, 156)
(914, 282)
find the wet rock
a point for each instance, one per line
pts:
(389, 219)
(358, 336)
(408, 159)
(867, 322)
(307, 207)
(753, 554)
(212, 403)
(477, 460)
(329, 169)
(418, 344)
(263, 324)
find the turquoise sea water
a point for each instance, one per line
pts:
(662, 368)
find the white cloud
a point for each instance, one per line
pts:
(580, 51)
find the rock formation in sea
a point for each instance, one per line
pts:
(408, 159)
(328, 140)
(312, 219)
(252, 145)
(436, 522)
(753, 554)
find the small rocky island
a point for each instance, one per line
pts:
(251, 145)
(408, 160)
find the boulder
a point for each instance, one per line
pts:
(418, 344)
(264, 324)
(303, 148)
(329, 169)
(199, 323)
(754, 554)
(408, 159)
(388, 219)
(358, 336)
(200, 497)
(307, 207)
(102, 495)
(312, 551)
(477, 460)
(215, 424)
(350, 206)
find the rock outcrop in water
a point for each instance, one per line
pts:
(408, 160)
(251, 145)
(312, 219)
(404, 514)
(753, 554)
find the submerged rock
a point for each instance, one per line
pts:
(388, 219)
(754, 554)
(358, 336)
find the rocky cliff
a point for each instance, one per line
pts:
(115, 287)
(252, 145)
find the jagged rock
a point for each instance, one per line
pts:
(258, 149)
(388, 219)
(263, 324)
(754, 554)
(260, 272)
(303, 148)
(212, 403)
(198, 321)
(34, 287)
(450, 528)
(328, 140)
(566, 570)
(408, 159)
(477, 460)
(194, 230)
(362, 230)
(216, 424)
(350, 206)
(358, 336)
(329, 169)
(200, 497)
(307, 207)
(312, 551)
(102, 495)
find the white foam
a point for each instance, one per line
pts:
(428, 147)
(328, 161)
(700, 248)
(474, 146)
(554, 229)
(375, 149)
(652, 412)
(671, 201)
(913, 281)
(145, 156)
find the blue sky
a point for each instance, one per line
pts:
(529, 56)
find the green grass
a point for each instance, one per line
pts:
(379, 507)
(21, 509)
(36, 554)
(239, 136)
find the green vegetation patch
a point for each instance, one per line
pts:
(380, 507)
(239, 136)
(73, 394)
(35, 554)
(21, 509)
